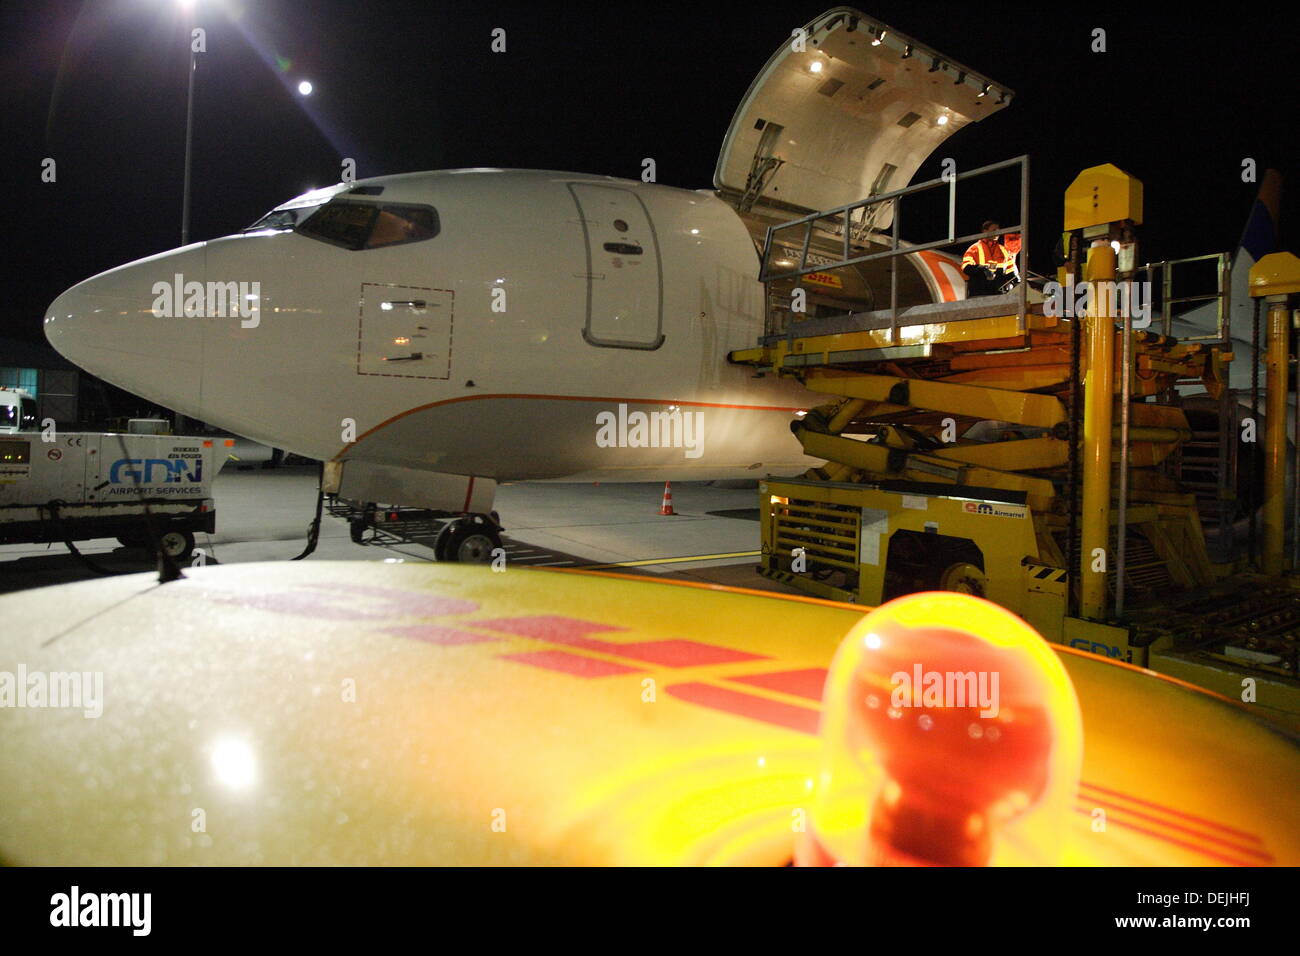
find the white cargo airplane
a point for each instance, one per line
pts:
(432, 334)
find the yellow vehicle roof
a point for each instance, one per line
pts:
(367, 713)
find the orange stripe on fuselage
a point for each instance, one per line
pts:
(556, 398)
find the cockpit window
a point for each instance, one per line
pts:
(396, 224)
(288, 214)
(282, 219)
(355, 225)
(345, 224)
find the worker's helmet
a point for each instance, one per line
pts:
(988, 224)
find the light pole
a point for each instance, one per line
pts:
(189, 140)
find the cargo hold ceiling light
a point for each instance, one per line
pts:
(951, 736)
(943, 119)
(815, 66)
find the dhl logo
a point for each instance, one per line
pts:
(572, 651)
(824, 278)
(575, 652)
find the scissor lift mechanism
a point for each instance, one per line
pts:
(911, 498)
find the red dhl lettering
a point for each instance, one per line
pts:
(824, 278)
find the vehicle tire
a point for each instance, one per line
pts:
(474, 546)
(176, 543)
(467, 541)
(440, 542)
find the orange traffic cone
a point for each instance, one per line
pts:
(667, 507)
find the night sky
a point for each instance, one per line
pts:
(1178, 100)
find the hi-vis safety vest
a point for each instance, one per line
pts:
(991, 253)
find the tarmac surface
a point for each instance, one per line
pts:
(263, 515)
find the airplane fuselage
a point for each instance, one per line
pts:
(542, 304)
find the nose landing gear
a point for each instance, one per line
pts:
(465, 538)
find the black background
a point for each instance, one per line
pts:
(921, 910)
(1178, 99)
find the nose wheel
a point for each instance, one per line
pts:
(468, 540)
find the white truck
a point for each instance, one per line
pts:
(85, 485)
(17, 410)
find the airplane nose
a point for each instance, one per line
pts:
(124, 326)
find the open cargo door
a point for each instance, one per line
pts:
(851, 111)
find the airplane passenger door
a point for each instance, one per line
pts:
(624, 274)
(405, 331)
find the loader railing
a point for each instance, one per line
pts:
(1222, 298)
(841, 221)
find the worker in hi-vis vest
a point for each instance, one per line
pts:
(990, 264)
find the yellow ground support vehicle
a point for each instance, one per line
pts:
(1030, 447)
(362, 713)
